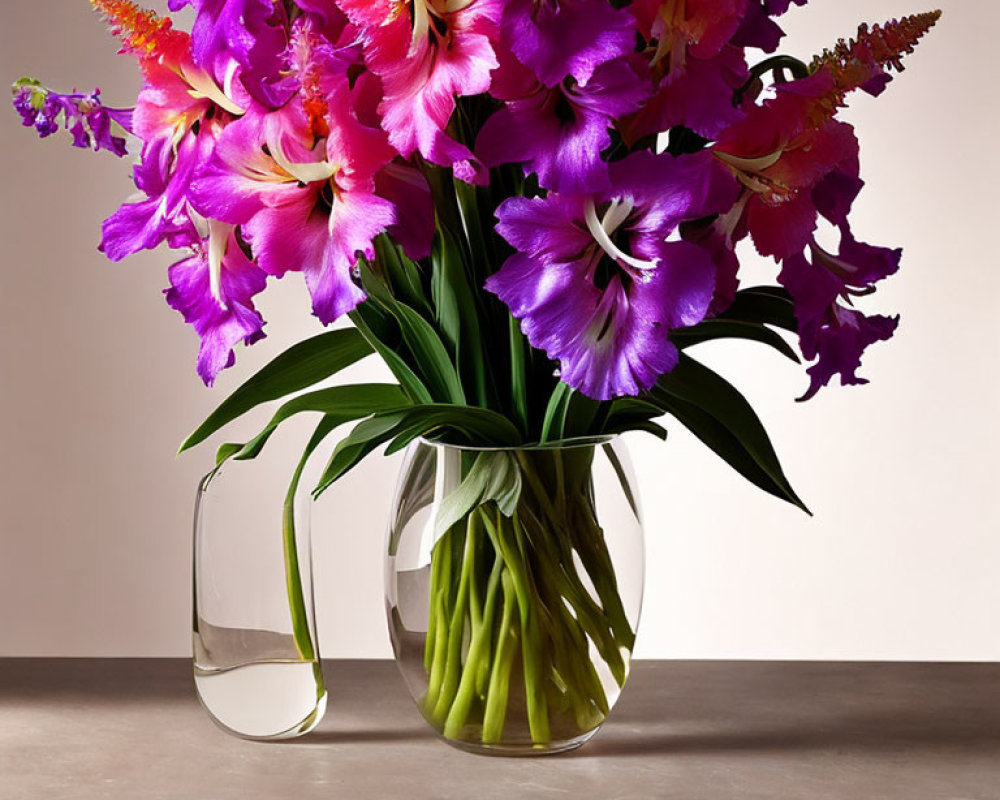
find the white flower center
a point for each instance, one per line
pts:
(602, 229)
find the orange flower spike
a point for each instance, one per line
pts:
(143, 32)
(852, 63)
(305, 57)
(152, 39)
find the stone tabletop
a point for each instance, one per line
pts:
(82, 729)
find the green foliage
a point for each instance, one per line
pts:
(299, 367)
(422, 341)
(766, 305)
(494, 477)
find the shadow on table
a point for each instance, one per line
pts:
(875, 733)
(373, 736)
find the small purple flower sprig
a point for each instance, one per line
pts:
(89, 121)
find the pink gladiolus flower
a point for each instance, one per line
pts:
(427, 53)
(303, 203)
(796, 163)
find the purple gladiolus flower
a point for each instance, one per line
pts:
(828, 330)
(213, 289)
(248, 35)
(559, 133)
(560, 38)
(87, 119)
(164, 176)
(595, 281)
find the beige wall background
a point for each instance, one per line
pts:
(901, 561)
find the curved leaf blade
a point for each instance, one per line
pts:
(768, 305)
(712, 329)
(479, 426)
(429, 354)
(299, 367)
(363, 317)
(712, 409)
(339, 404)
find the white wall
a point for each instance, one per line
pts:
(899, 562)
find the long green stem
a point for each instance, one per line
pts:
(293, 576)
(499, 688)
(538, 721)
(439, 608)
(478, 651)
(456, 627)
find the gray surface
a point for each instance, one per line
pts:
(133, 729)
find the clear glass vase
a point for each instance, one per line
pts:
(514, 585)
(256, 655)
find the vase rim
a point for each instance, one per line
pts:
(573, 443)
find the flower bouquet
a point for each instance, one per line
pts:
(530, 211)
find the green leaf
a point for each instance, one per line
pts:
(769, 305)
(297, 368)
(518, 373)
(403, 274)
(633, 414)
(293, 577)
(494, 476)
(480, 427)
(623, 478)
(584, 416)
(366, 436)
(715, 412)
(340, 404)
(457, 314)
(712, 329)
(429, 355)
(554, 421)
(365, 317)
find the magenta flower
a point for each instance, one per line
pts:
(595, 281)
(559, 133)
(303, 204)
(164, 177)
(830, 331)
(427, 53)
(566, 38)
(797, 163)
(696, 70)
(213, 289)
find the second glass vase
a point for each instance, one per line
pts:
(256, 657)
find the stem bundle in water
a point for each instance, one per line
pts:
(527, 632)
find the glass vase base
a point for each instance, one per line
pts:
(263, 701)
(520, 750)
